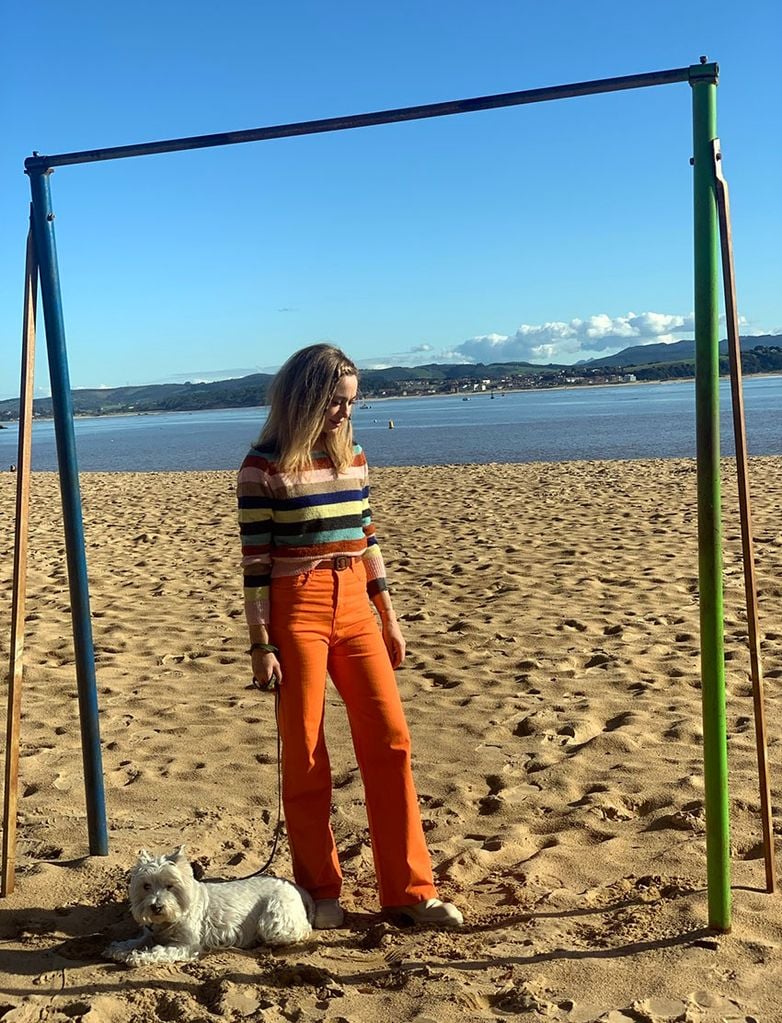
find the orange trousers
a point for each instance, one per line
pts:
(323, 621)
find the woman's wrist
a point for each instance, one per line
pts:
(267, 648)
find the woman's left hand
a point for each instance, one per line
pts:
(394, 641)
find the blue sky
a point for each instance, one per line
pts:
(551, 232)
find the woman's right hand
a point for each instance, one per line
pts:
(267, 673)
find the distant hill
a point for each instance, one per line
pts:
(243, 392)
(435, 371)
(646, 362)
(676, 351)
(250, 391)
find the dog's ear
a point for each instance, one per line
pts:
(178, 855)
(144, 856)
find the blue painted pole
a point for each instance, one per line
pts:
(46, 251)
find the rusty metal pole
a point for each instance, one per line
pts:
(745, 513)
(16, 666)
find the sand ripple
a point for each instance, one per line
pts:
(552, 687)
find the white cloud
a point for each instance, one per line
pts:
(558, 341)
(562, 342)
(208, 376)
(750, 329)
(554, 341)
(419, 355)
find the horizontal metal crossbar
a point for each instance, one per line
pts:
(37, 164)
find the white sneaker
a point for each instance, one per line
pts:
(433, 911)
(328, 914)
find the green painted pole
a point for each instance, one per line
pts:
(703, 79)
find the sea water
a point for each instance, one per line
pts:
(562, 424)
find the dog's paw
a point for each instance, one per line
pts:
(160, 954)
(140, 957)
(118, 951)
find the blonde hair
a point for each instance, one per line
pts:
(298, 397)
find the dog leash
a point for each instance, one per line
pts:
(278, 825)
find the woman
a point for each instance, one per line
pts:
(311, 567)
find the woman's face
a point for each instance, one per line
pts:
(340, 404)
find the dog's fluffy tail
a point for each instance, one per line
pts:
(287, 916)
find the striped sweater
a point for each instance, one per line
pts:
(288, 523)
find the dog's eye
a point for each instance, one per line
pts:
(169, 887)
(147, 887)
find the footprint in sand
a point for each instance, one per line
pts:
(415, 616)
(627, 717)
(598, 660)
(489, 805)
(540, 762)
(124, 775)
(432, 802)
(612, 813)
(573, 623)
(593, 790)
(492, 802)
(751, 851)
(680, 820)
(441, 681)
(463, 625)
(637, 688)
(525, 727)
(346, 778)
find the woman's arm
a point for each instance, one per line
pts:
(256, 516)
(393, 638)
(377, 587)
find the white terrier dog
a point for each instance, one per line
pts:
(183, 917)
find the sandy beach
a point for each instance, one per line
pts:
(553, 693)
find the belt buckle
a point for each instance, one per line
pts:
(341, 563)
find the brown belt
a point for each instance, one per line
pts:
(338, 564)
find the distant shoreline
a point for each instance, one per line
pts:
(395, 397)
(593, 423)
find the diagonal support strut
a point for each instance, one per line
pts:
(745, 511)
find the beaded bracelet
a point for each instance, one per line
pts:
(267, 648)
